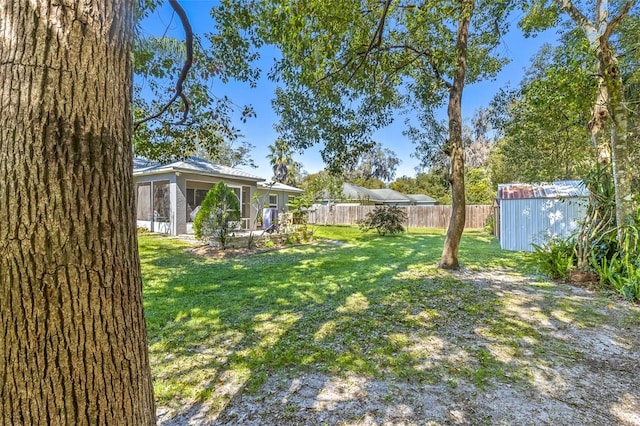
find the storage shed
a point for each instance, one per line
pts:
(534, 213)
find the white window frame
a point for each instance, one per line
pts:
(271, 204)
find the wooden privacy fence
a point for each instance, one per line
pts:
(418, 216)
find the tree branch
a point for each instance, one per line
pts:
(376, 39)
(615, 21)
(426, 54)
(188, 62)
(578, 18)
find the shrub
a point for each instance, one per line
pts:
(387, 219)
(555, 258)
(490, 225)
(299, 234)
(218, 212)
(298, 207)
(620, 269)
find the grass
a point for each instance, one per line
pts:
(350, 303)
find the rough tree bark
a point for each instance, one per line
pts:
(449, 259)
(72, 332)
(620, 150)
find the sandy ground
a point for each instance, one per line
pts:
(599, 385)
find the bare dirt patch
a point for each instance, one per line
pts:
(229, 253)
(570, 357)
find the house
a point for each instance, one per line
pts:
(533, 213)
(274, 197)
(277, 195)
(352, 193)
(421, 200)
(168, 194)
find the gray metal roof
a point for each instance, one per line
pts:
(385, 195)
(355, 192)
(421, 198)
(390, 196)
(142, 166)
(351, 191)
(277, 186)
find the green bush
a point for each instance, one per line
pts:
(218, 212)
(555, 258)
(299, 234)
(490, 225)
(620, 268)
(385, 220)
(298, 207)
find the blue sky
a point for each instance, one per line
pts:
(259, 131)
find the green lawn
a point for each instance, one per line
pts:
(348, 303)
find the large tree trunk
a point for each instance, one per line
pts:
(620, 151)
(449, 259)
(609, 103)
(72, 330)
(614, 151)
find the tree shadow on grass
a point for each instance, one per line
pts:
(331, 334)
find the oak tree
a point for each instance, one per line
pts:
(345, 66)
(74, 346)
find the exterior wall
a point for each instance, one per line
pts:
(524, 222)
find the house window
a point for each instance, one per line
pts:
(273, 201)
(195, 197)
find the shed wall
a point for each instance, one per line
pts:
(524, 222)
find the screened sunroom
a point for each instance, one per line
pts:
(168, 195)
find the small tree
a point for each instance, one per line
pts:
(218, 211)
(298, 207)
(384, 219)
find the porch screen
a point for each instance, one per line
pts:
(245, 208)
(144, 201)
(161, 201)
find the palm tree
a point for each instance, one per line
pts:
(281, 160)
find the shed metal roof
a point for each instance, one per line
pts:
(558, 189)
